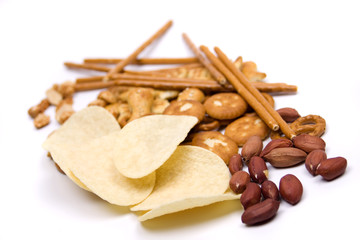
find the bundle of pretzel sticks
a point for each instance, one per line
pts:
(210, 73)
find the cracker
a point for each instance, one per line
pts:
(216, 142)
(244, 127)
(225, 106)
(186, 107)
(144, 144)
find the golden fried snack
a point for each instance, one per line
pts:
(186, 107)
(311, 124)
(207, 124)
(244, 127)
(225, 106)
(192, 94)
(216, 142)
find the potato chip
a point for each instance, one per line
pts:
(190, 172)
(187, 203)
(81, 127)
(144, 144)
(92, 164)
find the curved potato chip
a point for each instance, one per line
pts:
(146, 143)
(190, 172)
(92, 164)
(81, 127)
(187, 203)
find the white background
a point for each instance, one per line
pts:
(311, 44)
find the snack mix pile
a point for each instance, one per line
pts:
(165, 140)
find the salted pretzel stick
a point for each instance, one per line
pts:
(142, 61)
(213, 71)
(87, 66)
(249, 98)
(284, 127)
(120, 66)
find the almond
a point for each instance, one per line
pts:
(276, 143)
(332, 168)
(252, 147)
(313, 159)
(291, 189)
(288, 114)
(285, 157)
(308, 142)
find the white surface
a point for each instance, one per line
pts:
(312, 44)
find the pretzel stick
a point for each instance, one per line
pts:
(175, 85)
(159, 78)
(92, 85)
(274, 87)
(249, 98)
(159, 72)
(142, 61)
(87, 66)
(213, 71)
(120, 66)
(288, 132)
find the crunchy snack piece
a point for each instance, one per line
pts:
(124, 114)
(225, 106)
(87, 124)
(243, 128)
(107, 96)
(165, 94)
(64, 110)
(159, 105)
(186, 107)
(207, 124)
(249, 69)
(144, 144)
(140, 101)
(216, 142)
(39, 108)
(191, 94)
(66, 89)
(191, 171)
(41, 120)
(97, 102)
(53, 96)
(313, 125)
(187, 203)
(114, 109)
(91, 162)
